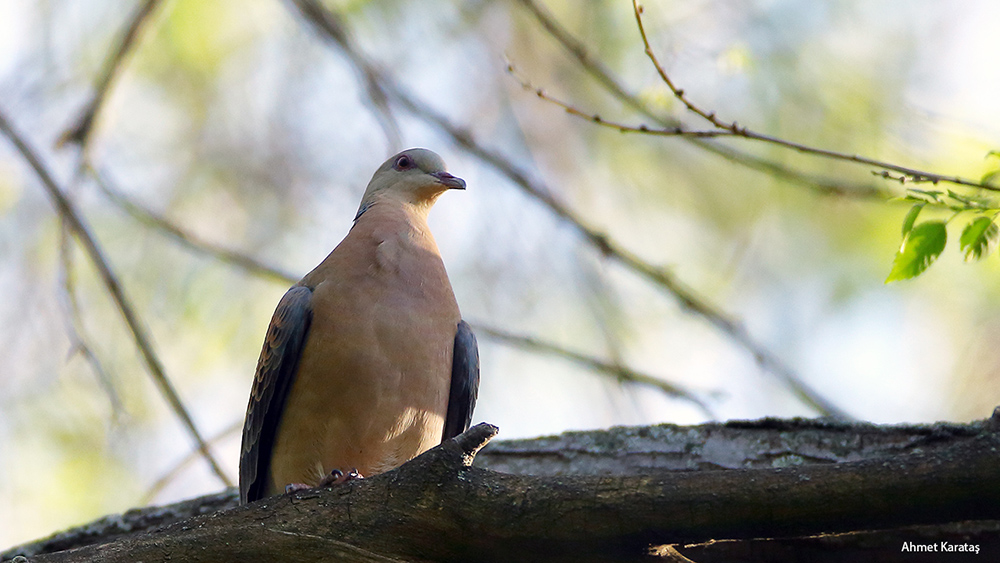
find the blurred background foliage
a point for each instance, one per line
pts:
(239, 123)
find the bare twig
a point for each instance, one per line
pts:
(596, 119)
(67, 210)
(605, 245)
(181, 465)
(142, 214)
(79, 342)
(378, 101)
(623, 373)
(593, 67)
(741, 131)
(79, 133)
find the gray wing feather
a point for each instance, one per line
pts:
(276, 368)
(464, 382)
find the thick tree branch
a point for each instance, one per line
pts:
(116, 526)
(758, 444)
(438, 508)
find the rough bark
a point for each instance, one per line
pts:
(737, 444)
(610, 495)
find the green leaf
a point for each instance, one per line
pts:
(929, 193)
(977, 237)
(922, 245)
(989, 176)
(911, 217)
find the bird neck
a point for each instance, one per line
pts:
(393, 204)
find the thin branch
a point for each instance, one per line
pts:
(379, 106)
(680, 131)
(621, 372)
(593, 67)
(79, 133)
(596, 69)
(604, 244)
(596, 119)
(67, 210)
(741, 131)
(159, 223)
(181, 465)
(615, 368)
(79, 341)
(377, 98)
(736, 331)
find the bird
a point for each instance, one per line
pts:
(366, 362)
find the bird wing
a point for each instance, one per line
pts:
(464, 382)
(279, 360)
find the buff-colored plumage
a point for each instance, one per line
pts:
(367, 353)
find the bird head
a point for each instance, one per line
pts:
(414, 176)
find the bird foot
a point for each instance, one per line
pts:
(296, 487)
(335, 477)
(338, 477)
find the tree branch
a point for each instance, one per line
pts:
(187, 240)
(637, 450)
(593, 67)
(757, 444)
(378, 100)
(621, 372)
(438, 507)
(738, 130)
(677, 131)
(234, 429)
(68, 212)
(79, 133)
(78, 337)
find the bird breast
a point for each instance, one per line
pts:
(372, 386)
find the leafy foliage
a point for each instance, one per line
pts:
(923, 243)
(978, 236)
(911, 217)
(921, 246)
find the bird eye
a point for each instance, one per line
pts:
(403, 162)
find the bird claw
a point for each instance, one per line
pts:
(335, 477)
(338, 477)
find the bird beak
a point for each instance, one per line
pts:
(449, 181)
